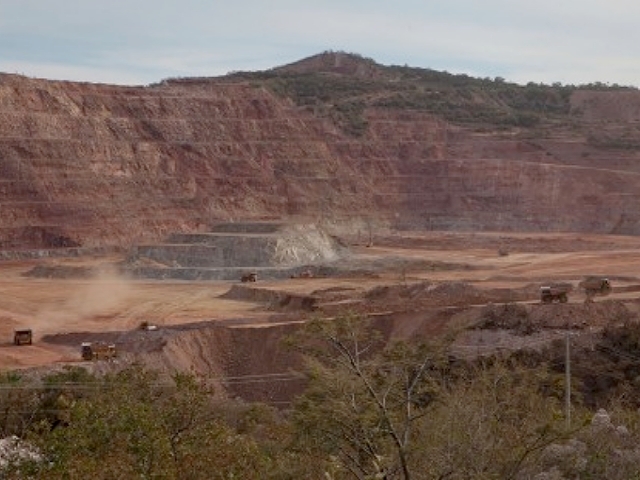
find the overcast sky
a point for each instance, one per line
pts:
(135, 42)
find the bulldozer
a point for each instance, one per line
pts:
(594, 286)
(98, 351)
(23, 337)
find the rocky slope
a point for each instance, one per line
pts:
(334, 137)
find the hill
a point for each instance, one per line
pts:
(334, 136)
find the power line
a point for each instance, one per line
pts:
(93, 385)
(567, 377)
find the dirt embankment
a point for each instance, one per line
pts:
(248, 362)
(274, 299)
(428, 294)
(257, 364)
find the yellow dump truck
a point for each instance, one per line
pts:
(98, 351)
(249, 277)
(594, 286)
(556, 292)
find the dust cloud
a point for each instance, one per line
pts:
(98, 299)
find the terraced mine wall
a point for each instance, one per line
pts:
(88, 165)
(222, 252)
(229, 251)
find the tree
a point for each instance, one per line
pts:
(406, 410)
(135, 424)
(20, 406)
(364, 400)
(492, 421)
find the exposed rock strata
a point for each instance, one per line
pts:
(91, 165)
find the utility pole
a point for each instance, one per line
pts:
(567, 373)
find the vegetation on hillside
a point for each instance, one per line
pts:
(341, 87)
(395, 411)
(459, 99)
(343, 93)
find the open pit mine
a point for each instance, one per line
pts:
(192, 224)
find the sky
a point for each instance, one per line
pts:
(138, 42)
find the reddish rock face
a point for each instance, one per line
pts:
(93, 165)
